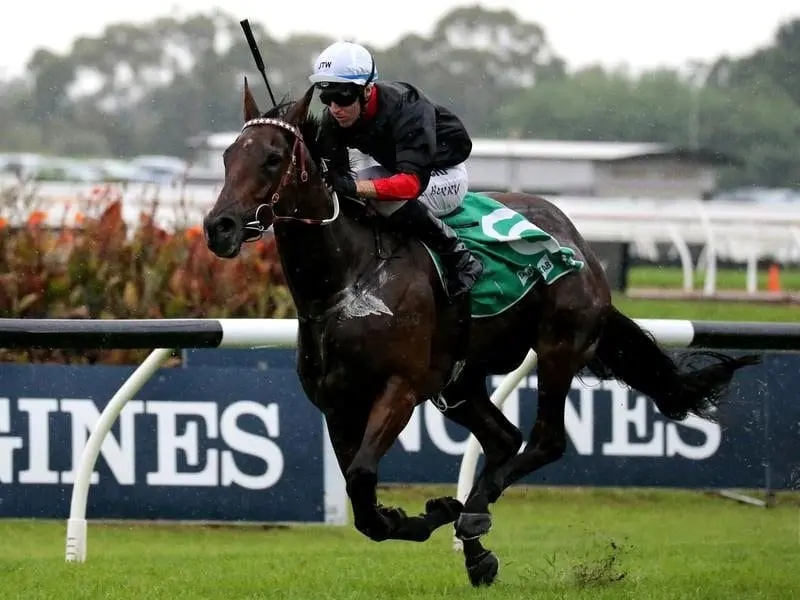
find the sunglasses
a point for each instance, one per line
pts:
(344, 95)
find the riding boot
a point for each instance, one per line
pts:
(462, 268)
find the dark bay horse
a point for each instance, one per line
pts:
(377, 336)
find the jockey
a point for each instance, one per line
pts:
(411, 150)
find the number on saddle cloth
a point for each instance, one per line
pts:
(516, 254)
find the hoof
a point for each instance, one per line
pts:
(473, 525)
(447, 509)
(392, 516)
(484, 570)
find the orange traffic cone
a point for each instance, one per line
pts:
(774, 278)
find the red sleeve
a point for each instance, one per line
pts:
(403, 186)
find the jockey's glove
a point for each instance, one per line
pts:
(343, 185)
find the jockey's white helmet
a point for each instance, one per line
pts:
(344, 62)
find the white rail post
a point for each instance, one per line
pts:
(685, 255)
(76, 525)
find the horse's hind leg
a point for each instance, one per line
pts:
(469, 405)
(389, 415)
(566, 341)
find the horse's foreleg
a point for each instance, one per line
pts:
(389, 415)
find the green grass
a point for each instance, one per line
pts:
(712, 310)
(727, 279)
(552, 543)
(706, 310)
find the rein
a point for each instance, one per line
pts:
(255, 225)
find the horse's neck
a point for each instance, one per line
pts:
(320, 261)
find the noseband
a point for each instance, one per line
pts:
(255, 225)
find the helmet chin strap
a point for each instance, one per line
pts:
(362, 101)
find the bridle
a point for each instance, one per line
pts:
(255, 225)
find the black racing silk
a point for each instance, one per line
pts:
(409, 133)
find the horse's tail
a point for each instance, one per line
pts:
(628, 353)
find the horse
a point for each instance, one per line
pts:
(377, 334)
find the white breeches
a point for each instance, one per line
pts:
(444, 194)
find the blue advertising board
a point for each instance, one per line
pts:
(231, 436)
(616, 437)
(207, 444)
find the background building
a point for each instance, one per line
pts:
(553, 167)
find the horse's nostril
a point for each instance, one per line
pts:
(226, 226)
(221, 226)
(221, 233)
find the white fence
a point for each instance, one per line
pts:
(739, 232)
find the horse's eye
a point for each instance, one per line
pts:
(272, 160)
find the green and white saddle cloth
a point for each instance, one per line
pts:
(515, 253)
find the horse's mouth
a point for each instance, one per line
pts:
(225, 249)
(232, 251)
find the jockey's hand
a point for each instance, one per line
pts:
(343, 185)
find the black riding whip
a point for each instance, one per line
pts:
(251, 41)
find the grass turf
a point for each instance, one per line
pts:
(552, 543)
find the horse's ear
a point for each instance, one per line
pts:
(250, 107)
(300, 108)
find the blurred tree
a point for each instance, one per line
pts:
(759, 127)
(51, 75)
(474, 61)
(19, 128)
(494, 44)
(147, 88)
(776, 65)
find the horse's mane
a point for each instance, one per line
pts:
(338, 157)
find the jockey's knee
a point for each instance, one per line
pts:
(446, 190)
